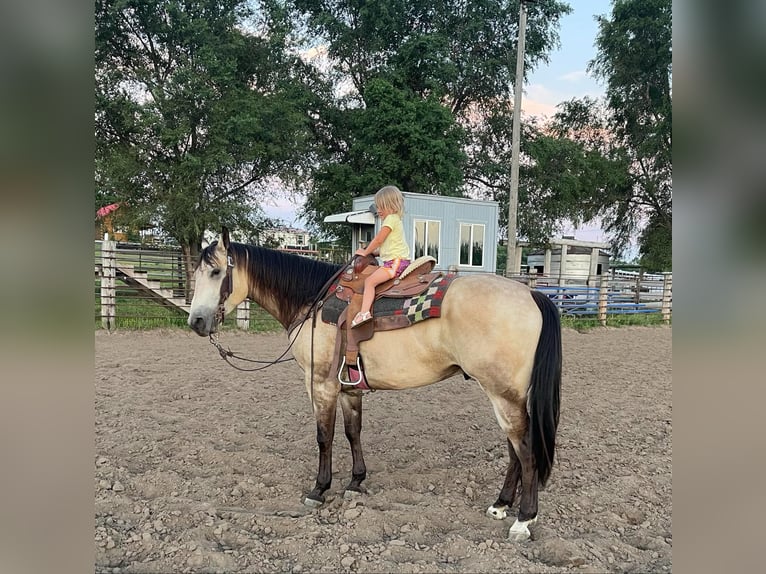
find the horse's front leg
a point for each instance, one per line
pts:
(325, 404)
(351, 403)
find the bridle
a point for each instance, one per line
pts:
(227, 286)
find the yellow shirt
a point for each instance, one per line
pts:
(395, 246)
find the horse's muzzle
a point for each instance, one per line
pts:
(203, 327)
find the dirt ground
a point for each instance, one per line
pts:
(201, 468)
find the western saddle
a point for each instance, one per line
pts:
(415, 279)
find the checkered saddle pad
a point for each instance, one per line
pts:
(397, 312)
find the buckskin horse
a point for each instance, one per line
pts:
(491, 329)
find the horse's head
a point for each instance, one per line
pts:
(217, 289)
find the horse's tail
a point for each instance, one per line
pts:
(544, 389)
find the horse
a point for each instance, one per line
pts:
(491, 329)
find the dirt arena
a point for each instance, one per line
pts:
(201, 468)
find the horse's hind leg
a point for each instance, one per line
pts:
(512, 416)
(351, 403)
(529, 485)
(499, 509)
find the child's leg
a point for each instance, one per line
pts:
(380, 275)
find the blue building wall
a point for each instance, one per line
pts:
(450, 212)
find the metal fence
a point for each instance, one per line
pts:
(607, 295)
(144, 286)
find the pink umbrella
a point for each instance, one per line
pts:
(107, 209)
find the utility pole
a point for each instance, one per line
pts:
(513, 196)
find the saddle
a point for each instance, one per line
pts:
(413, 281)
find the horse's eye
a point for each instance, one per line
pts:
(216, 272)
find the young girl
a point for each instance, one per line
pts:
(394, 250)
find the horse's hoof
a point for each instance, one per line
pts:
(519, 536)
(519, 532)
(350, 494)
(312, 502)
(497, 512)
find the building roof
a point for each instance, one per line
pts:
(364, 216)
(571, 250)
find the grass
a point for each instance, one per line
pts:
(137, 312)
(640, 319)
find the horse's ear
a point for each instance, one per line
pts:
(224, 240)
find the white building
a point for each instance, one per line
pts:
(570, 261)
(288, 238)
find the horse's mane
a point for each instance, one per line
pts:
(292, 280)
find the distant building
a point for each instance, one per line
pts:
(287, 238)
(569, 260)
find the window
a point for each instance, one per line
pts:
(427, 238)
(472, 244)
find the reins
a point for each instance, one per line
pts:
(226, 353)
(316, 304)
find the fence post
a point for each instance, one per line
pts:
(563, 263)
(667, 296)
(533, 278)
(108, 282)
(638, 285)
(180, 287)
(243, 315)
(602, 299)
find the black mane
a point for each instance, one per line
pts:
(292, 280)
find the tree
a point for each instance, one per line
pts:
(197, 103)
(635, 59)
(574, 172)
(396, 139)
(610, 161)
(422, 76)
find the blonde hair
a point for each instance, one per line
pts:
(390, 199)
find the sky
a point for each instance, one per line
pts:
(564, 78)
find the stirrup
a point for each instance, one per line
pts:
(358, 368)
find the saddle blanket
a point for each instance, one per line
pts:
(395, 313)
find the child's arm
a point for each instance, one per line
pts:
(376, 242)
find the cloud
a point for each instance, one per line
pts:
(576, 76)
(536, 108)
(539, 100)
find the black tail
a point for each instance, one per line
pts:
(544, 390)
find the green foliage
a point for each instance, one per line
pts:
(396, 139)
(502, 258)
(611, 162)
(656, 247)
(192, 112)
(635, 58)
(423, 77)
(627, 320)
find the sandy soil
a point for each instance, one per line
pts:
(201, 468)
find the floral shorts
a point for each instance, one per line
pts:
(395, 266)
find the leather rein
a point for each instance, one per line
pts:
(227, 286)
